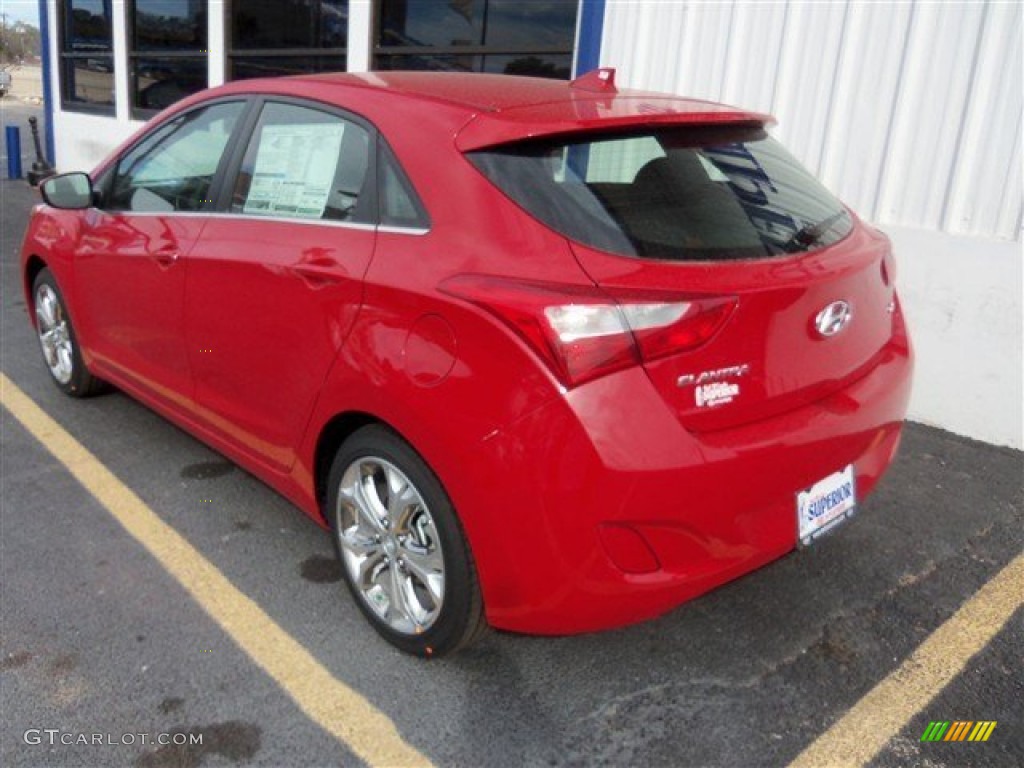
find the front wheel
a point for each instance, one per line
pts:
(58, 341)
(402, 549)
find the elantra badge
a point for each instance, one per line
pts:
(833, 318)
(716, 374)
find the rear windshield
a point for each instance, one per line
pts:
(684, 194)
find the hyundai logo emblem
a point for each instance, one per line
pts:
(833, 318)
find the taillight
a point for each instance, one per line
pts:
(583, 332)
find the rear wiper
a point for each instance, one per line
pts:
(812, 233)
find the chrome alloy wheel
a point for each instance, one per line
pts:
(390, 545)
(54, 335)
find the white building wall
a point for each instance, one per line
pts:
(82, 140)
(912, 114)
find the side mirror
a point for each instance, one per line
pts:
(69, 190)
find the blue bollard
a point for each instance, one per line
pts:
(13, 152)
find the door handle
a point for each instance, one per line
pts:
(165, 257)
(317, 275)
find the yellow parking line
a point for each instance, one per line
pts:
(864, 730)
(338, 709)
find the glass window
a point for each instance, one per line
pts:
(243, 67)
(170, 25)
(173, 168)
(306, 164)
(681, 194)
(290, 24)
(434, 24)
(504, 36)
(168, 52)
(399, 205)
(530, 65)
(287, 37)
(515, 24)
(86, 56)
(161, 82)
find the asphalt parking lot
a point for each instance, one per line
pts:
(223, 615)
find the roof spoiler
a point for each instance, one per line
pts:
(601, 80)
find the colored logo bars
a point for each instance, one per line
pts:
(960, 730)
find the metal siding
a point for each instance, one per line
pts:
(985, 198)
(910, 112)
(804, 92)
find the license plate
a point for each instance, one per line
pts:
(826, 504)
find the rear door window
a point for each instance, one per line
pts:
(304, 163)
(683, 194)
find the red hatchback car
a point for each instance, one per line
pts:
(548, 356)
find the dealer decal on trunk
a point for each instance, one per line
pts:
(711, 386)
(718, 393)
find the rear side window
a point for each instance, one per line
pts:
(302, 163)
(399, 205)
(683, 194)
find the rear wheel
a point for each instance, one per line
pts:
(402, 549)
(57, 340)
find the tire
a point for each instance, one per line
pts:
(57, 340)
(401, 547)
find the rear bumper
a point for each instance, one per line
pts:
(583, 521)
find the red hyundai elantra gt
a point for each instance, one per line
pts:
(547, 356)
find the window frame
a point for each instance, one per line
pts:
(65, 55)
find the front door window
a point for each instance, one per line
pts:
(173, 168)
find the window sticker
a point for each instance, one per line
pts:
(295, 167)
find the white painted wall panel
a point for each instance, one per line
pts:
(911, 112)
(962, 299)
(755, 41)
(95, 136)
(929, 112)
(991, 142)
(806, 74)
(866, 89)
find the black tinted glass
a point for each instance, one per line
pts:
(679, 194)
(172, 25)
(496, 23)
(257, 24)
(161, 82)
(518, 24)
(90, 81)
(553, 65)
(542, 65)
(87, 26)
(399, 204)
(243, 67)
(432, 22)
